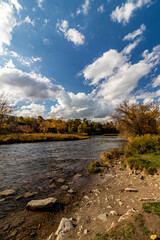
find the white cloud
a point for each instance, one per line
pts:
(16, 4)
(125, 12)
(8, 21)
(115, 77)
(101, 9)
(84, 8)
(131, 46)
(136, 33)
(71, 34)
(10, 64)
(156, 81)
(28, 20)
(29, 86)
(40, 2)
(32, 110)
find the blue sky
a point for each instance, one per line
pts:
(76, 59)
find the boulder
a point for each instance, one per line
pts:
(64, 226)
(41, 204)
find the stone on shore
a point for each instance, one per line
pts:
(64, 187)
(29, 194)
(41, 204)
(7, 192)
(60, 180)
(130, 190)
(64, 226)
(51, 237)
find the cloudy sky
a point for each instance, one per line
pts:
(76, 59)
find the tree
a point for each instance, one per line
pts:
(5, 108)
(138, 118)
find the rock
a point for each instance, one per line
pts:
(78, 175)
(28, 194)
(64, 187)
(113, 213)
(53, 185)
(63, 236)
(120, 203)
(33, 234)
(126, 215)
(86, 231)
(41, 204)
(109, 206)
(70, 191)
(64, 226)
(112, 226)
(51, 237)
(60, 180)
(14, 233)
(6, 227)
(146, 199)
(2, 200)
(7, 192)
(130, 190)
(103, 217)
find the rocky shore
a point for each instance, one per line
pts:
(111, 201)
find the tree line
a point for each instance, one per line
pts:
(129, 119)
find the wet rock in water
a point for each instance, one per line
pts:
(51, 237)
(103, 217)
(64, 226)
(78, 175)
(29, 194)
(130, 190)
(64, 187)
(60, 180)
(41, 204)
(7, 192)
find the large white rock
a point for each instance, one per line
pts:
(41, 204)
(64, 226)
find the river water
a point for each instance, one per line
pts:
(35, 166)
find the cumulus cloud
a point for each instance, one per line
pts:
(79, 106)
(31, 110)
(136, 33)
(71, 34)
(115, 77)
(125, 12)
(84, 8)
(29, 86)
(101, 9)
(8, 21)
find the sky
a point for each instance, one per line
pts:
(79, 59)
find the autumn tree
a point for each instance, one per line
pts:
(5, 108)
(138, 118)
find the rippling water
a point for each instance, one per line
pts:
(25, 164)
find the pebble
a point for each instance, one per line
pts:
(113, 213)
(86, 231)
(130, 190)
(60, 180)
(7, 192)
(64, 187)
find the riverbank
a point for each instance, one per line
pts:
(39, 137)
(114, 208)
(111, 200)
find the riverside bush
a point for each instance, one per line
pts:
(143, 144)
(94, 167)
(111, 155)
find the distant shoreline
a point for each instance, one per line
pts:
(39, 137)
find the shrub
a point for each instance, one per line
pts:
(152, 207)
(143, 144)
(94, 167)
(111, 155)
